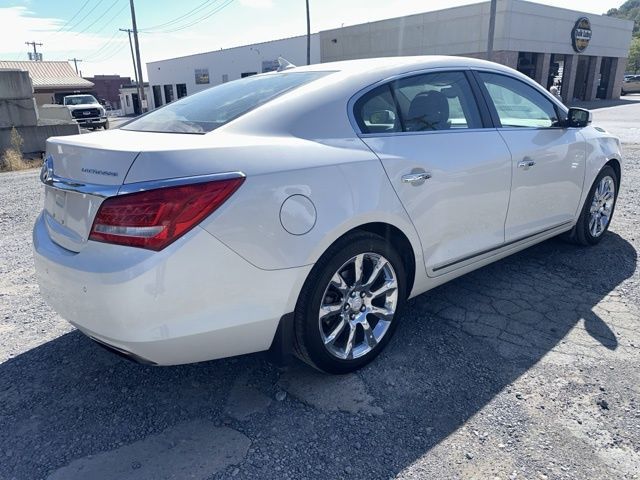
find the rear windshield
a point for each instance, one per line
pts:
(207, 110)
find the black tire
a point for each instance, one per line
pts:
(581, 233)
(308, 343)
(623, 93)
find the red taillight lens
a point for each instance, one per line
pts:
(156, 218)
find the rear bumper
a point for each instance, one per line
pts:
(196, 300)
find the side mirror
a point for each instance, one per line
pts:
(382, 117)
(578, 117)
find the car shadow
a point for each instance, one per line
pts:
(457, 347)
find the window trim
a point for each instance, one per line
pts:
(535, 86)
(485, 118)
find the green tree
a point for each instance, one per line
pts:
(629, 10)
(633, 64)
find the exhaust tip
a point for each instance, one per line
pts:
(123, 353)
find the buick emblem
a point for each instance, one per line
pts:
(46, 173)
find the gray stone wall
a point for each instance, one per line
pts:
(18, 109)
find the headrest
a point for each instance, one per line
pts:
(428, 111)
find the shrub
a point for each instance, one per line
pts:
(12, 159)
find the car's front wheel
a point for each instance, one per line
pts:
(348, 308)
(598, 208)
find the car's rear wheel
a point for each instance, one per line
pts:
(348, 308)
(598, 209)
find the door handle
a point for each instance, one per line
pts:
(416, 178)
(526, 164)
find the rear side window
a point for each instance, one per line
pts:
(518, 104)
(375, 111)
(437, 101)
(207, 110)
(422, 103)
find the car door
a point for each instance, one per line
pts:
(451, 173)
(548, 159)
(634, 84)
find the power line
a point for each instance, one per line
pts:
(199, 20)
(72, 18)
(111, 55)
(201, 6)
(99, 18)
(75, 62)
(108, 22)
(104, 45)
(36, 56)
(98, 2)
(106, 50)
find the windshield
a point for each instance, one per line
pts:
(207, 110)
(80, 100)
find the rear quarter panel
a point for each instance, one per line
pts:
(345, 196)
(601, 147)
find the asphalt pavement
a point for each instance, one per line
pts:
(524, 369)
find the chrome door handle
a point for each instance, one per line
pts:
(526, 164)
(416, 178)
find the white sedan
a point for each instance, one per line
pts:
(300, 209)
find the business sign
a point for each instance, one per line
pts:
(202, 76)
(581, 34)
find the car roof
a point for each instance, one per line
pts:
(389, 66)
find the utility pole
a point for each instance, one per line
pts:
(36, 55)
(133, 58)
(75, 62)
(138, 62)
(308, 35)
(492, 29)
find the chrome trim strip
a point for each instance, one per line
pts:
(499, 247)
(105, 191)
(429, 132)
(174, 182)
(68, 185)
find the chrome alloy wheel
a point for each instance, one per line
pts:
(602, 206)
(358, 306)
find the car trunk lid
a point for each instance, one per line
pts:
(81, 172)
(88, 168)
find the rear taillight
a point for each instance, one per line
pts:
(155, 218)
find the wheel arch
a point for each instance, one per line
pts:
(617, 167)
(398, 239)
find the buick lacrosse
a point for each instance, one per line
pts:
(298, 210)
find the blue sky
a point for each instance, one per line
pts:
(88, 29)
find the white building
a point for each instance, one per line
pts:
(177, 77)
(585, 53)
(129, 99)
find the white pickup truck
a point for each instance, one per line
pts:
(87, 111)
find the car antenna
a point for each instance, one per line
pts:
(284, 64)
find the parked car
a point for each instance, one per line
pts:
(630, 84)
(87, 111)
(302, 208)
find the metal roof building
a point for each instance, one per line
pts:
(51, 80)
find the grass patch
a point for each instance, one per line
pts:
(12, 158)
(12, 161)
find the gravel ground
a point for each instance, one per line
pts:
(525, 369)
